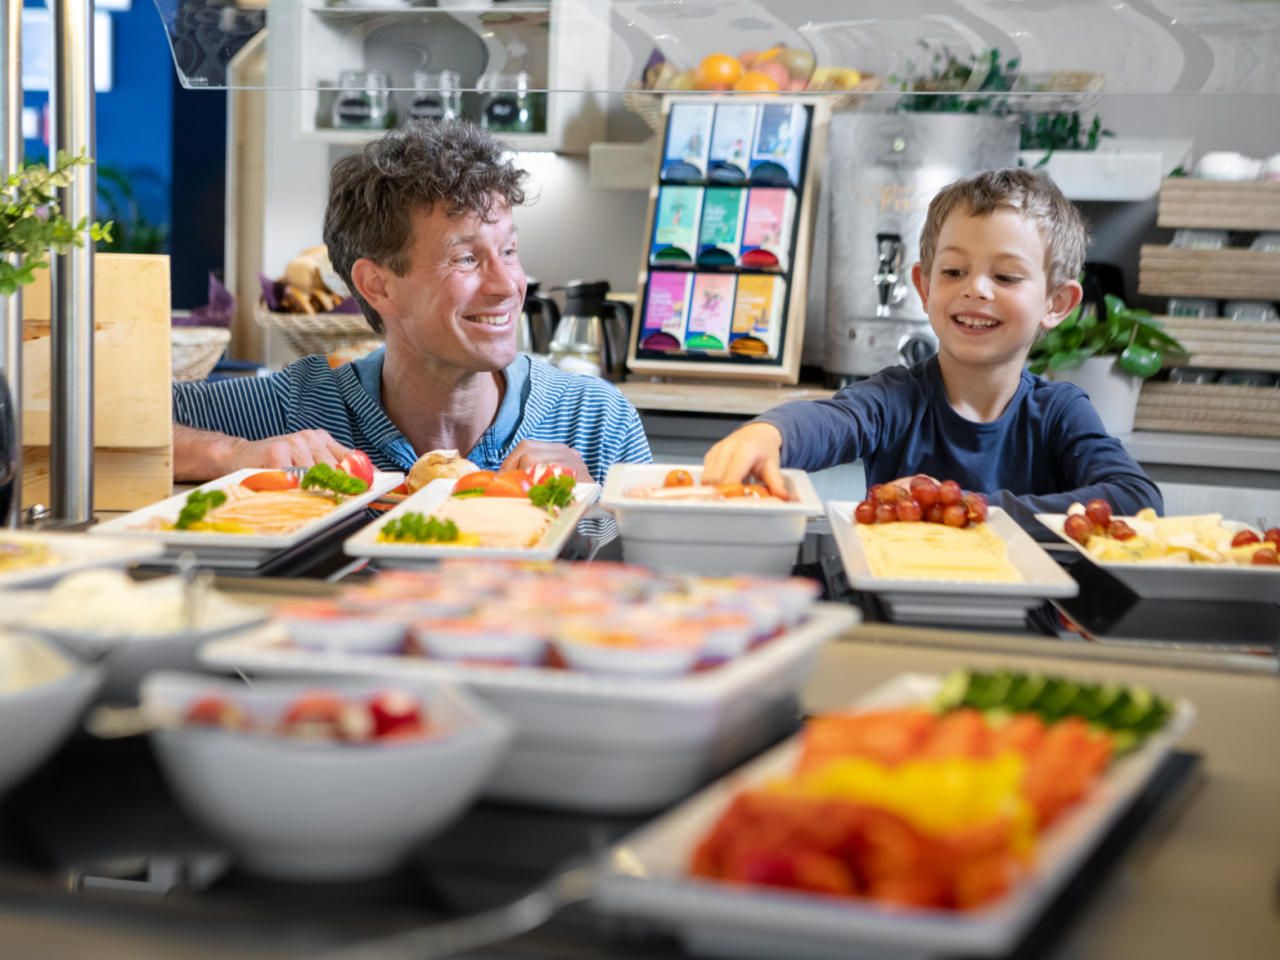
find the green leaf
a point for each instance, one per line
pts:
(1067, 360)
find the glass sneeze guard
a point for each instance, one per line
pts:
(1035, 54)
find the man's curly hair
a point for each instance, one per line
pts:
(373, 194)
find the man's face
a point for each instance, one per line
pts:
(460, 299)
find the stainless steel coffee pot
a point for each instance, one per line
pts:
(591, 336)
(538, 320)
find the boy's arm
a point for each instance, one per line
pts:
(1091, 464)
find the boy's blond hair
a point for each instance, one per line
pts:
(1038, 198)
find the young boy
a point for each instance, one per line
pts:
(999, 255)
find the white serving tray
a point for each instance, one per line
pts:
(646, 874)
(365, 543)
(236, 549)
(598, 743)
(946, 602)
(717, 538)
(1183, 581)
(75, 551)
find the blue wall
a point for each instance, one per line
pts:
(134, 118)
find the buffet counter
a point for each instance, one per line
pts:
(672, 409)
(1200, 881)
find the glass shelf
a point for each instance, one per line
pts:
(986, 54)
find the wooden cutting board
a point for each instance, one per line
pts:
(133, 432)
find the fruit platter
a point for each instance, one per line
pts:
(244, 517)
(1201, 556)
(527, 514)
(627, 688)
(938, 816)
(933, 553)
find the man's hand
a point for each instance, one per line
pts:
(200, 455)
(305, 448)
(528, 453)
(751, 451)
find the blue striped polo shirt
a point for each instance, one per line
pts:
(541, 402)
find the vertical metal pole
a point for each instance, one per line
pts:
(71, 426)
(11, 306)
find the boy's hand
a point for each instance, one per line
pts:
(751, 451)
(904, 483)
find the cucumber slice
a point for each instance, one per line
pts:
(1128, 713)
(997, 692)
(1025, 690)
(997, 717)
(1057, 699)
(976, 694)
(1124, 741)
(954, 688)
(1101, 699)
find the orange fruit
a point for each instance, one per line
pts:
(754, 81)
(718, 70)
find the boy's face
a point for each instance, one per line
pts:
(986, 294)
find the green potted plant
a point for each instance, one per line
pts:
(1108, 356)
(32, 224)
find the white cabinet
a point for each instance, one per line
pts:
(557, 46)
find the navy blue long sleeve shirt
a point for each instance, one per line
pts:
(1046, 451)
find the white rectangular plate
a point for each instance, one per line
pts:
(646, 875)
(957, 601)
(365, 543)
(1182, 581)
(72, 552)
(216, 544)
(627, 476)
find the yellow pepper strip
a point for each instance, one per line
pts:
(937, 797)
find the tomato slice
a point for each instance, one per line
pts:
(678, 478)
(479, 480)
(509, 483)
(357, 464)
(269, 480)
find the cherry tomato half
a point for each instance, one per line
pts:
(545, 471)
(678, 478)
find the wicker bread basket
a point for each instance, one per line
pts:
(196, 350)
(308, 333)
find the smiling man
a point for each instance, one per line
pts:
(419, 225)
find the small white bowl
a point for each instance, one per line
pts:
(301, 810)
(36, 719)
(654, 646)
(481, 641)
(331, 628)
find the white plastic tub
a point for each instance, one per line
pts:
(717, 538)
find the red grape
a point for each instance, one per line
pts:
(1266, 557)
(909, 511)
(873, 492)
(865, 512)
(888, 493)
(976, 507)
(1244, 538)
(1272, 536)
(885, 513)
(955, 515)
(934, 513)
(949, 493)
(925, 491)
(1078, 528)
(1119, 530)
(1099, 513)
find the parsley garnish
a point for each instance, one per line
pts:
(198, 504)
(417, 528)
(552, 492)
(324, 477)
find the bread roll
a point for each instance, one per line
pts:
(437, 464)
